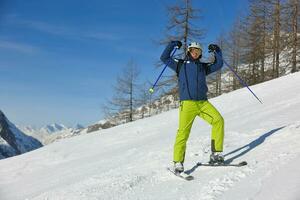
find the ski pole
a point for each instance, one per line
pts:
(241, 80)
(151, 90)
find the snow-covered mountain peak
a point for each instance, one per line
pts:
(52, 132)
(13, 141)
(53, 128)
(78, 126)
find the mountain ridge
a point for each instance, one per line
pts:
(14, 141)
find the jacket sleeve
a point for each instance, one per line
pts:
(218, 64)
(166, 58)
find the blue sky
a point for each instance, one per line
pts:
(60, 58)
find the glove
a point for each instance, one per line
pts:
(177, 43)
(213, 47)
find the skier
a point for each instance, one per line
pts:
(193, 99)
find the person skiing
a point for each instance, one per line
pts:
(193, 89)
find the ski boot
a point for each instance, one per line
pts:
(178, 167)
(216, 158)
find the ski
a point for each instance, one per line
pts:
(181, 175)
(243, 163)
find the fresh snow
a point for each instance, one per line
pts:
(129, 161)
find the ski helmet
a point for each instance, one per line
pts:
(194, 45)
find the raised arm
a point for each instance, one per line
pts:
(218, 63)
(166, 55)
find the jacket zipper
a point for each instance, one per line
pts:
(197, 81)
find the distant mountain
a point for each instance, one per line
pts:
(53, 128)
(51, 133)
(78, 127)
(13, 141)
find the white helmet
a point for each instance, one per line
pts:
(194, 45)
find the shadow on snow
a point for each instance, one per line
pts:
(245, 149)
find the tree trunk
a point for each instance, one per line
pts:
(295, 36)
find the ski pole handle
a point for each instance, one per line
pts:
(151, 90)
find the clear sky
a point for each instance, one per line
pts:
(60, 58)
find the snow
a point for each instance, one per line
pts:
(129, 161)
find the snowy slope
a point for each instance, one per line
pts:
(129, 161)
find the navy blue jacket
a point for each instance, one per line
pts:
(192, 74)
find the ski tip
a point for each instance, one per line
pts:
(189, 178)
(182, 175)
(243, 163)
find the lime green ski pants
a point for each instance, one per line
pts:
(188, 110)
